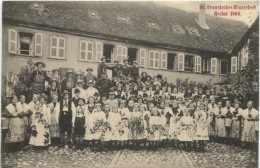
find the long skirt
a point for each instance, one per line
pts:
(201, 131)
(54, 128)
(41, 137)
(156, 129)
(123, 131)
(15, 130)
(220, 127)
(248, 133)
(235, 129)
(26, 129)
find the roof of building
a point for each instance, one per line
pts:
(253, 29)
(140, 21)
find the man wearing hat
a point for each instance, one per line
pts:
(103, 85)
(134, 70)
(126, 69)
(79, 86)
(90, 91)
(38, 78)
(68, 83)
(67, 109)
(89, 77)
(102, 67)
(116, 69)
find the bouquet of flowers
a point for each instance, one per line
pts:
(98, 126)
(33, 131)
(136, 126)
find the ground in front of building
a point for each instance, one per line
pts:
(216, 155)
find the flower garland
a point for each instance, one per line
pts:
(136, 126)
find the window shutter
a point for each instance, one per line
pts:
(163, 60)
(213, 65)
(90, 51)
(156, 59)
(142, 57)
(151, 59)
(12, 46)
(124, 53)
(198, 64)
(119, 53)
(38, 44)
(99, 51)
(233, 65)
(180, 62)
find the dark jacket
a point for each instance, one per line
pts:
(101, 68)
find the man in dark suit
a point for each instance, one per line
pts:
(65, 118)
(102, 67)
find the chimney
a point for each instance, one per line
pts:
(202, 17)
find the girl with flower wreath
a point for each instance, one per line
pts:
(186, 130)
(107, 134)
(136, 126)
(124, 126)
(89, 121)
(146, 117)
(40, 134)
(98, 126)
(115, 120)
(156, 127)
(201, 127)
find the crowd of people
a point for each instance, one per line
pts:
(129, 110)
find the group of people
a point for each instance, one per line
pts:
(131, 110)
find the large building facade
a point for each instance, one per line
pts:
(162, 40)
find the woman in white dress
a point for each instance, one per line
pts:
(54, 108)
(201, 126)
(40, 134)
(124, 126)
(115, 120)
(250, 124)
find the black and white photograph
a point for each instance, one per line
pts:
(130, 84)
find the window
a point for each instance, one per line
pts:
(108, 52)
(170, 61)
(181, 60)
(121, 53)
(205, 68)
(24, 43)
(132, 52)
(233, 65)
(154, 57)
(223, 67)
(213, 65)
(163, 60)
(142, 57)
(12, 47)
(198, 64)
(99, 51)
(57, 47)
(86, 50)
(189, 63)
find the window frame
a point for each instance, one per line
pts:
(57, 47)
(221, 67)
(197, 64)
(86, 51)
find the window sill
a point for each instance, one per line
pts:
(57, 58)
(81, 60)
(23, 55)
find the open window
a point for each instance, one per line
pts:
(189, 63)
(223, 67)
(132, 52)
(109, 52)
(25, 43)
(170, 61)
